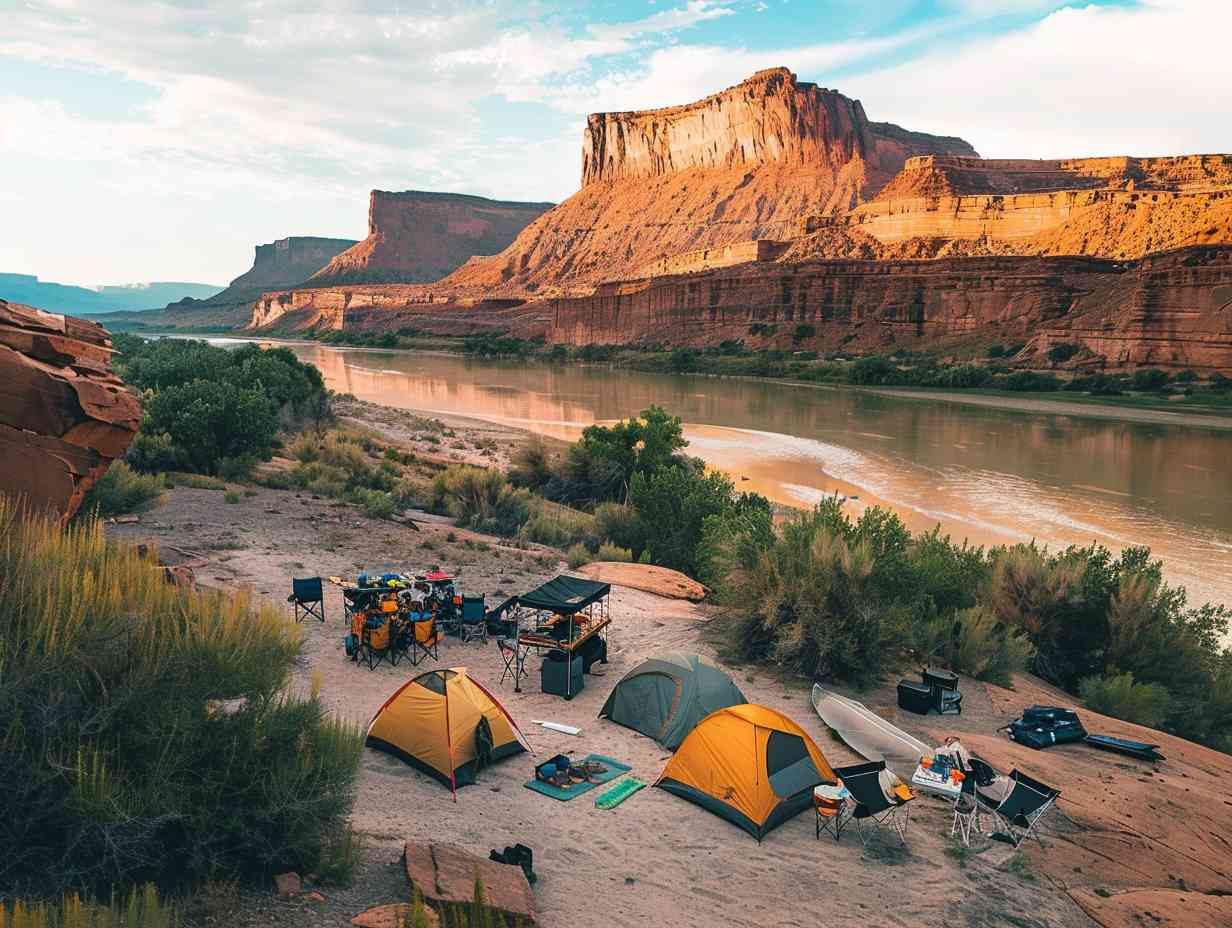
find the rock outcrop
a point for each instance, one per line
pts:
(1169, 310)
(285, 263)
(418, 236)
(748, 163)
(64, 415)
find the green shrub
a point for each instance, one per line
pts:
(1150, 379)
(152, 454)
(1120, 697)
(578, 555)
(802, 332)
(178, 751)
(874, 370)
(609, 552)
(978, 645)
(209, 421)
(122, 490)
(618, 524)
(231, 497)
(376, 504)
(237, 468)
(1063, 351)
(558, 526)
(1030, 382)
(481, 499)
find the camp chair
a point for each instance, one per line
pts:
(426, 637)
(863, 781)
(474, 625)
(1022, 808)
(513, 656)
(377, 639)
(830, 815)
(967, 805)
(308, 598)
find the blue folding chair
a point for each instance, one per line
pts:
(308, 598)
(474, 625)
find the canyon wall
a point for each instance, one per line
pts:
(1171, 310)
(285, 263)
(745, 164)
(1111, 207)
(418, 236)
(64, 415)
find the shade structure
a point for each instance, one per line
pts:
(868, 734)
(444, 723)
(665, 696)
(565, 595)
(750, 765)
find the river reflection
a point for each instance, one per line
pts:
(988, 475)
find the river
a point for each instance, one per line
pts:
(985, 474)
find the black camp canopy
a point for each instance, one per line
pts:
(565, 595)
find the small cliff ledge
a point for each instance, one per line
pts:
(418, 236)
(64, 415)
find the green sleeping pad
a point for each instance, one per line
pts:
(619, 793)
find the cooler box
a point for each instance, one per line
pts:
(942, 679)
(915, 697)
(562, 677)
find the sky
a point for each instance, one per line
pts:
(163, 139)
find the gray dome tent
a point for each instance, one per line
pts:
(665, 696)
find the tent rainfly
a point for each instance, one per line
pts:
(665, 696)
(750, 765)
(445, 724)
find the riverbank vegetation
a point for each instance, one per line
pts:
(828, 596)
(147, 730)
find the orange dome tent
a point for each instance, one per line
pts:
(446, 725)
(748, 764)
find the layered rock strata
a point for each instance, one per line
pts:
(64, 415)
(1172, 310)
(748, 163)
(419, 236)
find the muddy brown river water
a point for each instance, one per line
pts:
(989, 475)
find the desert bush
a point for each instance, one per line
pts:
(480, 499)
(1029, 382)
(141, 908)
(1149, 379)
(153, 454)
(873, 370)
(1120, 697)
(231, 497)
(558, 526)
(121, 490)
(609, 552)
(618, 524)
(976, 644)
(577, 556)
(531, 466)
(1063, 351)
(146, 729)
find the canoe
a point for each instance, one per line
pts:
(1137, 749)
(868, 734)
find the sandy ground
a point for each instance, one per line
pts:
(1213, 420)
(656, 858)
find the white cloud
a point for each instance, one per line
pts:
(1088, 80)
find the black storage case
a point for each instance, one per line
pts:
(915, 697)
(943, 679)
(560, 676)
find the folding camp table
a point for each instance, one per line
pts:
(581, 604)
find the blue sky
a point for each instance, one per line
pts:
(161, 140)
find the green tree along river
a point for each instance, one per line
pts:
(987, 474)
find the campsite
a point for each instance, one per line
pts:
(657, 857)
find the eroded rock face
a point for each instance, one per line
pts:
(1172, 310)
(748, 163)
(64, 415)
(420, 236)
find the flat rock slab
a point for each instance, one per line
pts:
(1175, 908)
(662, 581)
(445, 873)
(394, 915)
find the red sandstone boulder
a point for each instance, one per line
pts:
(64, 415)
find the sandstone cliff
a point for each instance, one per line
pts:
(420, 236)
(284, 263)
(1171, 310)
(64, 416)
(748, 163)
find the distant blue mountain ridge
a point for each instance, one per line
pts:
(85, 301)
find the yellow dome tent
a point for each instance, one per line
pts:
(750, 765)
(447, 725)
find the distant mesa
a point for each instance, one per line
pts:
(62, 298)
(417, 236)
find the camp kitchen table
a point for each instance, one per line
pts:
(579, 602)
(928, 782)
(586, 626)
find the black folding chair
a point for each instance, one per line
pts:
(863, 781)
(474, 625)
(308, 598)
(967, 805)
(1022, 808)
(513, 656)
